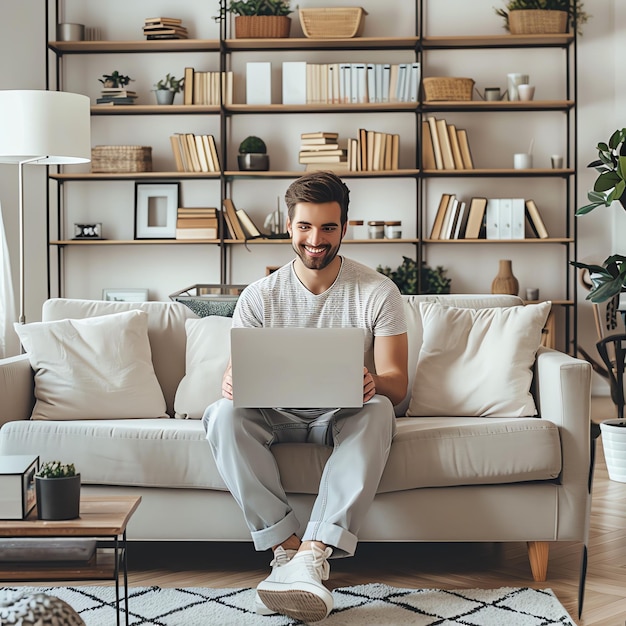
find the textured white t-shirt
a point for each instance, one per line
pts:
(360, 297)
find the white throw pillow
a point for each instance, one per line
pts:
(206, 359)
(477, 362)
(93, 368)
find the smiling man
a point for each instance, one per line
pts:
(319, 288)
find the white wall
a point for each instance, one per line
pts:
(22, 52)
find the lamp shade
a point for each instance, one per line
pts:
(52, 126)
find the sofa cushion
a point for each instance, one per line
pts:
(206, 358)
(96, 368)
(203, 307)
(426, 452)
(477, 362)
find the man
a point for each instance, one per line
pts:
(318, 288)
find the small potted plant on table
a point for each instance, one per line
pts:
(167, 88)
(253, 155)
(57, 486)
(542, 16)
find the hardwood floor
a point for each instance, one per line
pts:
(432, 565)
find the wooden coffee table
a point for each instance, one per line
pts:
(101, 518)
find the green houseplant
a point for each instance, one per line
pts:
(115, 80)
(253, 154)
(259, 18)
(432, 280)
(576, 16)
(167, 88)
(608, 279)
(57, 486)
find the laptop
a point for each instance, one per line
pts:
(298, 368)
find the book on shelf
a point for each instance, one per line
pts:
(435, 232)
(318, 147)
(434, 135)
(452, 215)
(204, 88)
(166, 34)
(194, 153)
(428, 153)
(234, 225)
(535, 220)
(163, 20)
(444, 142)
(456, 149)
(188, 85)
(249, 227)
(117, 91)
(178, 157)
(518, 220)
(150, 29)
(322, 153)
(115, 100)
(320, 135)
(461, 224)
(197, 233)
(203, 156)
(324, 158)
(214, 154)
(476, 217)
(466, 155)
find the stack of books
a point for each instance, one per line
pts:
(197, 223)
(238, 223)
(444, 146)
(195, 153)
(373, 151)
(116, 95)
(321, 150)
(164, 28)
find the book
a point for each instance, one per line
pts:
(445, 227)
(232, 220)
(395, 151)
(444, 142)
(518, 211)
(324, 158)
(197, 233)
(197, 211)
(188, 85)
(535, 220)
(461, 224)
(167, 34)
(249, 227)
(196, 222)
(319, 147)
(466, 155)
(214, 154)
(452, 215)
(319, 135)
(428, 154)
(170, 20)
(294, 82)
(475, 219)
(193, 152)
(322, 153)
(202, 154)
(362, 149)
(435, 232)
(259, 82)
(177, 155)
(456, 149)
(115, 101)
(432, 122)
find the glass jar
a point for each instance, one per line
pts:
(393, 230)
(376, 230)
(355, 229)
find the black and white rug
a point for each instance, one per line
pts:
(372, 604)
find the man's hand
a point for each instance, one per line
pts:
(227, 383)
(369, 387)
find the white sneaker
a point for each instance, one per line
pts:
(296, 589)
(281, 557)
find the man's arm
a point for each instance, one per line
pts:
(391, 354)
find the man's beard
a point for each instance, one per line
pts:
(319, 262)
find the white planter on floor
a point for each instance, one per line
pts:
(614, 444)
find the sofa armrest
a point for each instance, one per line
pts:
(17, 389)
(563, 390)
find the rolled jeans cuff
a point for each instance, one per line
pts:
(342, 541)
(276, 534)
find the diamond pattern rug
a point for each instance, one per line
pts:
(370, 605)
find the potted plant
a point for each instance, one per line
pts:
(260, 18)
(57, 486)
(167, 88)
(253, 155)
(115, 79)
(432, 281)
(542, 16)
(608, 279)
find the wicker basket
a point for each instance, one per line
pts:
(262, 26)
(447, 88)
(333, 23)
(537, 21)
(121, 159)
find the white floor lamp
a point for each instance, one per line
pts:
(42, 128)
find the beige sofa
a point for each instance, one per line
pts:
(448, 479)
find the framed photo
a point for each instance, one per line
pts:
(125, 295)
(156, 207)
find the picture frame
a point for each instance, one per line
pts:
(156, 208)
(88, 231)
(125, 295)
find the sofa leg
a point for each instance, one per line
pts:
(538, 556)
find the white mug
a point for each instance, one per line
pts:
(513, 80)
(526, 92)
(522, 161)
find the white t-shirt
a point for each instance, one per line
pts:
(360, 297)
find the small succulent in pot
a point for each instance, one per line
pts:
(57, 486)
(56, 469)
(115, 79)
(253, 154)
(167, 88)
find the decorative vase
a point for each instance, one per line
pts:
(614, 445)
(58, 498)
(505, 281)
(254, 162)
(165, 96)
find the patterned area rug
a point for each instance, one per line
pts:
(372, 604)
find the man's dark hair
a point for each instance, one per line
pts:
(318, 187)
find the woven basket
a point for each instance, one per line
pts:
(537, 22)
(333, 23)
(262, 26)
(447, 88)
(121, 159)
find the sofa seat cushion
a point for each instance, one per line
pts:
(426, 452)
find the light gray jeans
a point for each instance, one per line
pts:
(361, 438)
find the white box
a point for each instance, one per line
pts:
(17, 485)
(259, 83)
(294, 82)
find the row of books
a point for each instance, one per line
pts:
(195, 153)
(116, 95)
(358, 83)
(444, 146)
(204, 223)
(164, 28)
(482, 218)
(373, 151)
(238, 223)
(204, 87)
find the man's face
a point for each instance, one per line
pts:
(316, 233)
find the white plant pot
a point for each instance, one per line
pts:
(614, 445)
